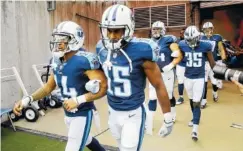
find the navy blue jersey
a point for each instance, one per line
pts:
(216, 39)
(195, 58)
(164, 50)
(71, 79)
(126, 87)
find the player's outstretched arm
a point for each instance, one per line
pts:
(37, 95)
(174, 47)
(211, 59)
(238, 84)
(99, 76)
(176, 54)
(222, 50)
(97, 80)
(153, 73)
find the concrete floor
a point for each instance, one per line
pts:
(215, 133)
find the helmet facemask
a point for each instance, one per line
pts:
(156, 32)
(59, 45)
(115, 44)
(192, 42)
(158, 29)
(208, 31)
(192, 36)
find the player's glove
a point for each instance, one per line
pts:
(167, 126)
(93, 86)
(168, 67)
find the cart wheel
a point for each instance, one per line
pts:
(31, 114)
(13, 116)
(54, 102)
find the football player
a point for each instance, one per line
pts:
(219, 55)
(78, 76)
(127, 61)
(169, 57)
(180, 71)
(196, 52)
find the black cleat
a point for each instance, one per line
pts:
(204, 106)
(179, 101)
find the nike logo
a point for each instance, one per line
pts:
(131, 115)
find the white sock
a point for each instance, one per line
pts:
(97, 120)
(181, 96)
(149, 122)
(195, 128)
(173, 111)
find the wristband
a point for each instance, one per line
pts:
(80, 99)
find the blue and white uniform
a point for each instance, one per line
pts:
(214, 40)
(71, 79)
(126, 84)
(195, 68)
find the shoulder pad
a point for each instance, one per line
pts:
(217, 37)
(171, 38)
(92, 59)
(152, 47)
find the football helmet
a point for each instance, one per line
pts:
(158, 29)
(208, 29)
(192, 36)
(117, 17)
(66, 36)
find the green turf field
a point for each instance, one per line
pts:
(22, 141)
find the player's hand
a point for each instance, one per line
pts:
(18, 107)
(168, 67)
(70, 104)
(93, 86)
(238, 84)
(167, 127)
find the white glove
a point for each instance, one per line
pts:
(175, 54)
(167, 126)
(93, 86)
(168, 67)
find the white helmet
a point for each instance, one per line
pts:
(117, 16)
(159, 25)
(192, 36)
(70, 33)
(208, 29)
(207, 25)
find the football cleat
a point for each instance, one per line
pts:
(180, 101)
(194, 136)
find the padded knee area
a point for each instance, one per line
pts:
(196, 104)
(152, 105)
